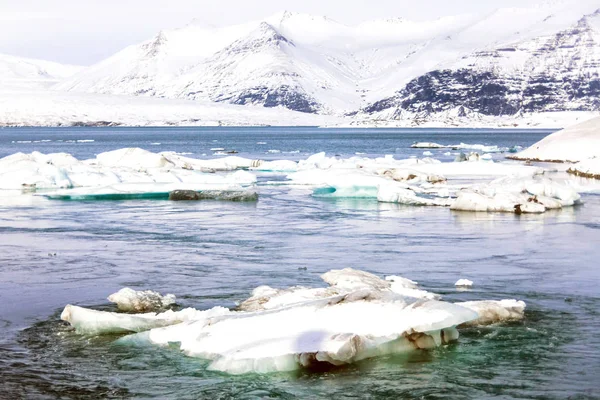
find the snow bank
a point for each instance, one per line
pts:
(140, 301)
(576, 143)
(587, 168)
(516, 196)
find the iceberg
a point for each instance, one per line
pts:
(38, 171)
(358, 316)
(516, 196)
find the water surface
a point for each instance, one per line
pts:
(214, 253)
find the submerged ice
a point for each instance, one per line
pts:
(357, 316)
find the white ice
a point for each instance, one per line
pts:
(575, 143)
(589, 168)
(464, 283)
(494, 311)
(358, 316)
(517, 196)
(117, 170)
(93, 322)
(139, 301)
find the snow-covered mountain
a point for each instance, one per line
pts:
(548, 73)
(28, 72)
(517, 60)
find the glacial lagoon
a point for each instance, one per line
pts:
(214, 253)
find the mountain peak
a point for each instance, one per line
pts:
(154, 46)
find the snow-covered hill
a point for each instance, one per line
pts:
(549, 73)
(28, 72)
(39, 107)
(512, 61)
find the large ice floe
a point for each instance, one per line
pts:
(358, 316)
(506, 187)
(134, 173)
(121, 174)
(517, 196)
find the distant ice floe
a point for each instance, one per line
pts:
(132, 173)
(357, 316)
(127, 172)
(517, 196)
(465, 146)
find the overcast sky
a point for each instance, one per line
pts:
(86, 31)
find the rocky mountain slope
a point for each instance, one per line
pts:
(549, 73)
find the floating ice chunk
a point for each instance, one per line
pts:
(359, 316)
(228, 163)
(135, 158)
(267, 298)
(403, 174)
(277, 166)
(463, 283)
(217, 149)
(351, 279)
(395, 194)
(150, 191)
(517, 196)
(342, 282)
(93, 322)
(427, 145)
(128, 299)
(407, 287)
(494, 311)
(427, 153)
(305, 335)
(274, 151)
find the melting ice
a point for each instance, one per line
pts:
(357, 316)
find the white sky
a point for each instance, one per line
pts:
(86, 31)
